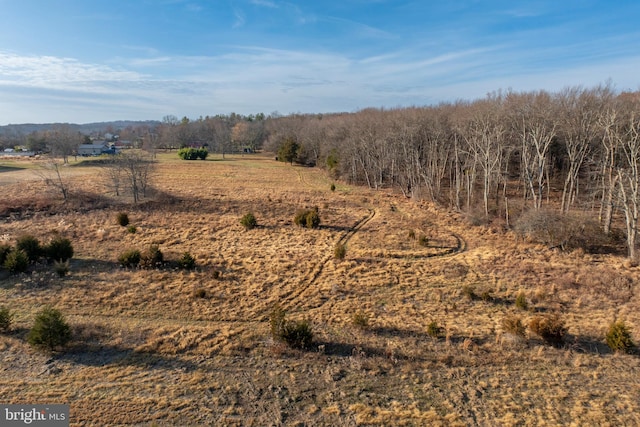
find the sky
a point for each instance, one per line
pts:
(82, 61)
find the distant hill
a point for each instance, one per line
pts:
(87, 128)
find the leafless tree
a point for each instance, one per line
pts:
(628, 178)
(534, 124)
(485, 141)
(53, 177)
(131, 170)
(63, 141)
(580, 109)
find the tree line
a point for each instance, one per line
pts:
(577, 149)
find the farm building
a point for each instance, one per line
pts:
(94, 149)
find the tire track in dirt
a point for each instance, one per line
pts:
(312, 277)
(291, 298)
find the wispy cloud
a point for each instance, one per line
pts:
(240, 18)
(49, 71)
(265, 3)
(362, 30)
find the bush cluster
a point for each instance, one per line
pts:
(309, 218)
(122, 218)
(249, 221)
(6, 317)
(360, 319)
(61, 268)
(512, 324)
(28, 250)
(521, 301)
(189, 153)
(296, 334)
(434, 330)
(187, 261)
(16, 261)
(619, 337)
(559, 230)
(50, 330)
(550, 328)
(152, 257)
(340, 251)
(30, 246)
(130, 258)
(59, 249)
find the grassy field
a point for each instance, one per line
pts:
(174, 347)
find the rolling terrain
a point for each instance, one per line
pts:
(166, 346)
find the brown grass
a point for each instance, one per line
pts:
(146, 350)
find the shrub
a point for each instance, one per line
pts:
(6, 317)
(340, 251)
(550, 328)
(411, 235)
(313, 218)
(50, 330)
(423, 241)
(564, 231)
(61, 267)
(434, 330)
(521, 301)
(513, 325)
(249, 221)
(277, 321)
(17, 261)
(31, 247)
(122, 219)
(619, 337)
(296, 334)
(486, 296)
(187, 261)
(4, 251)
(360, 319)
(130, 258)
(189, 153)
(333, 187)
(200, 293)
(152, 257)
(309, 218)
(59, 249)
(132, 229)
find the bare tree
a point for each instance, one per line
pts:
(533, 123)
(609, 122)
(628, 175)
(133, 171)
(64, 141)
(579, 111)
(52, 177)
(485, 139)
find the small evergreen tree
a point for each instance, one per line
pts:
(50, 330)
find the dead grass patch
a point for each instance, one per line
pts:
(146, 350)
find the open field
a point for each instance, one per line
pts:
(148, 351)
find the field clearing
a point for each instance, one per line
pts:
(148, 351)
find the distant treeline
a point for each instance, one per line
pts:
(573, 150)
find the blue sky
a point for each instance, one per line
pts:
(82, 61)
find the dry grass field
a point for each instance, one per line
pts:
(176, 347)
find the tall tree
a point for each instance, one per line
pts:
(64, 141)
